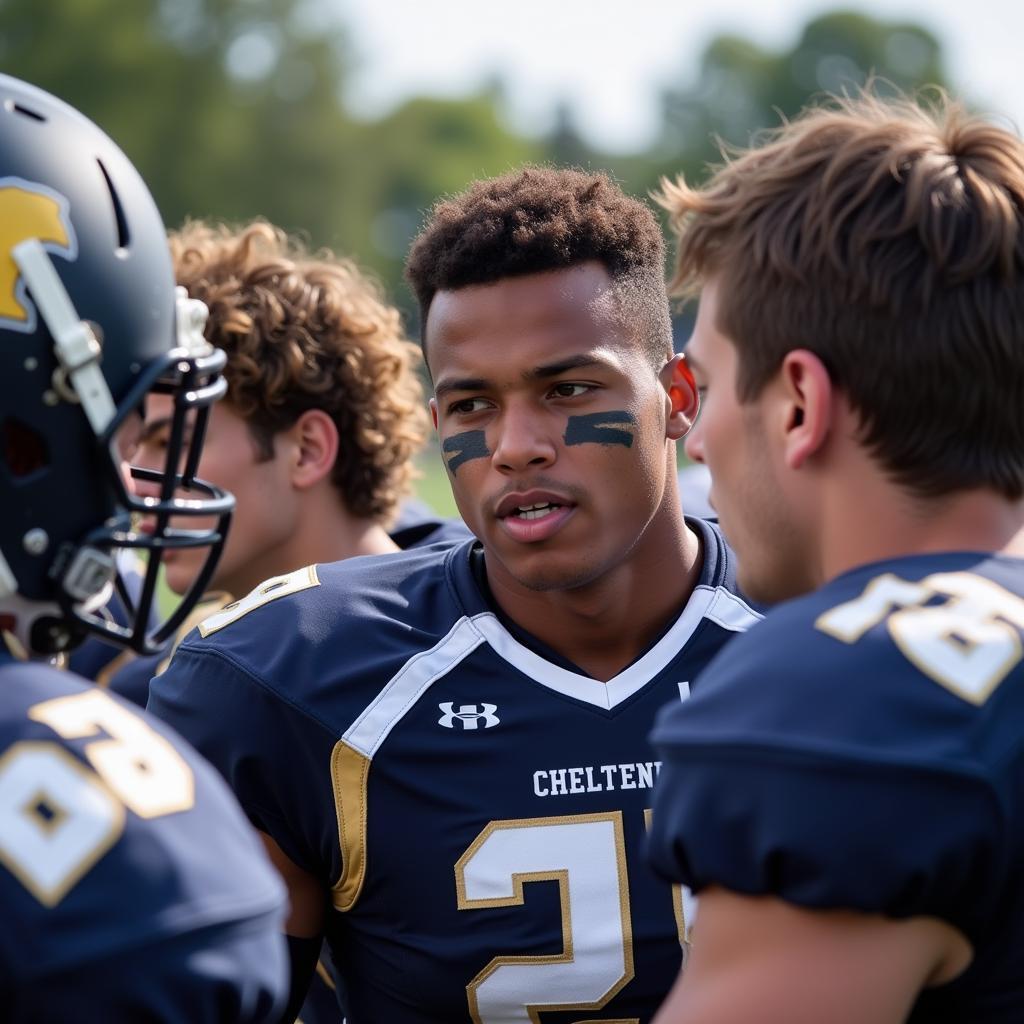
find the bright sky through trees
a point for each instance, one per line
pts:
(608, 57)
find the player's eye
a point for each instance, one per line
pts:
(568, 389)
(466, 406)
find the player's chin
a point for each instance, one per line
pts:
(551, 574)
(179, 571)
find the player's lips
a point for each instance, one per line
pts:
(534, 515)
(521, 503)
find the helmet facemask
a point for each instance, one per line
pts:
(89, 326)
(85, 572)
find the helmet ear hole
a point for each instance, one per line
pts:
(24, 450)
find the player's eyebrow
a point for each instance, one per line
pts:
(544, 372)
(444, 387)
(584, 359)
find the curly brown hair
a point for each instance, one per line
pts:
(547, 218)
(310, 331)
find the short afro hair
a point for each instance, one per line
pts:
(545, 218)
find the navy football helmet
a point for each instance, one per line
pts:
(90, 322)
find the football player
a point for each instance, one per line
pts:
(316, 437)
(132, 886)
(446, 749)
(845, 788)
(323, 415)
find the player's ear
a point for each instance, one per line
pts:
(433, 411)
(683, 401)
(808, 400)
(315, 439)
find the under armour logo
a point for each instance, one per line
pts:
(469, 715)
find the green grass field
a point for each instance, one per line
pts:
(432, 484)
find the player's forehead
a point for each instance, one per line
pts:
(520, 323)
(707, 344)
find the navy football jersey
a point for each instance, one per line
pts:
(128, 674)
(417, 525)
(133, 889)
(478, 809)
(863, 748)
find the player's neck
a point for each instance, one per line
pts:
(324, 532)
(606, 625)
(879, 521)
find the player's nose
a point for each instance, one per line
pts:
(523, 439)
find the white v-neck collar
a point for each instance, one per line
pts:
(715, 603)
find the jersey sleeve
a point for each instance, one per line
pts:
(779, 778)
(274, 755)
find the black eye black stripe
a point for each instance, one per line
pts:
(596, 428)
(460, 448)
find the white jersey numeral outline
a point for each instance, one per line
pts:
(58, 817)
(968, 644)
(586, 855)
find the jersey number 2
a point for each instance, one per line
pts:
(585, 854)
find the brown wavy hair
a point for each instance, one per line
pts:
(547, 218)
(887, 237)
(310, 331)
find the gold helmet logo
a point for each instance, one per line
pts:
(29, 210)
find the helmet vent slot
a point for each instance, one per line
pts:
(25, 111)
(123, 235)
(24, 450)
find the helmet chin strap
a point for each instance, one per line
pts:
(74, 342)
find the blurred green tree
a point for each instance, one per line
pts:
(423, 150)
(234, 108)
(740, 88)
(228, 107)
